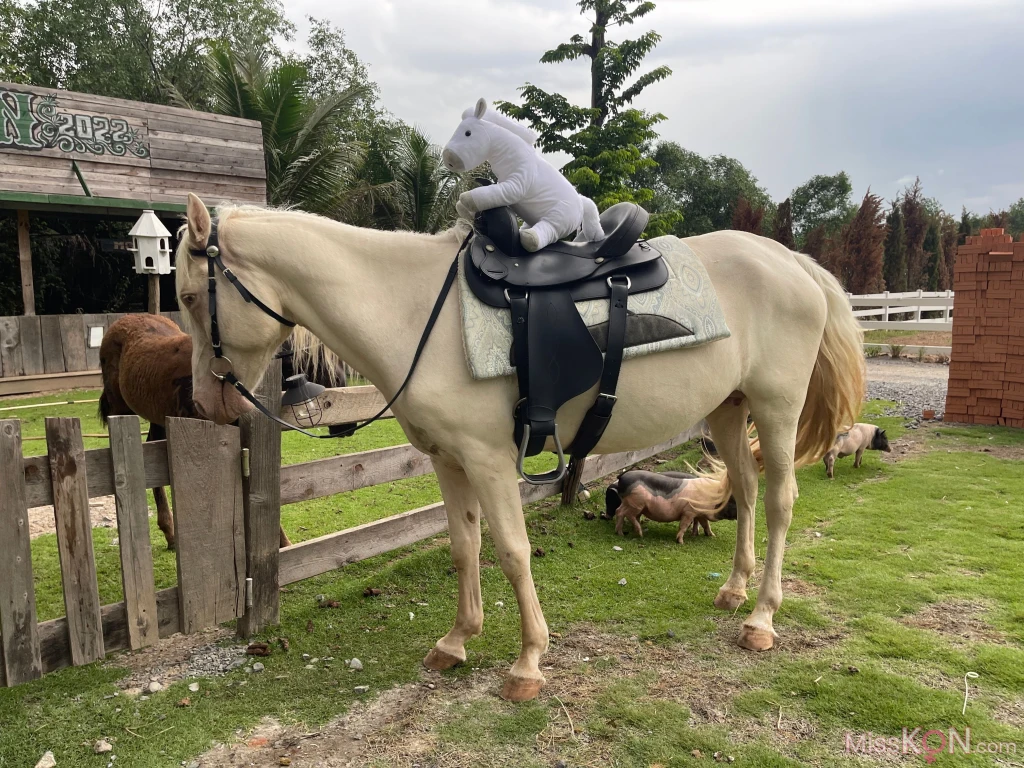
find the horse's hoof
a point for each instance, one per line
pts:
(438, 660)
(521, 688)
(729, 600)
(754, 639)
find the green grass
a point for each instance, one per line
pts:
(940, 526)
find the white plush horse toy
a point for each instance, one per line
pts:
(536, 191)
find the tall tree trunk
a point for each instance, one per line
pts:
(598, 99)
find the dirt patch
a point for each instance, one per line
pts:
(907, 447)
(794, 587)
(203, 654)
(958, 620)
(102, 510)
(1011, 713)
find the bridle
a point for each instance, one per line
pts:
(221, 365)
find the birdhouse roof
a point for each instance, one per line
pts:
(149, 225)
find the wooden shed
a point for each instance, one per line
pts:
(75, 153)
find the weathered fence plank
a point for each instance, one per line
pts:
(338, 474)
(99, 469)
(11, 362)
(72, 337)
(133, 530)
(74, 538)
(92, 354)
(261, 493)
(31, 345)
(53, 347)
(206, 481)
(19, 633)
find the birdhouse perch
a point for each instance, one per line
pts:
(151, 245)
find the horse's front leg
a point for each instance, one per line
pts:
(496, 485)
(463, 509)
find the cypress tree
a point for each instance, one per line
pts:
(784, 224)
(894, 264)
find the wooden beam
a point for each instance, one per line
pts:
(342, 405)
(335, 550)
(19, 634)
(48, 382)
(154, 294)
(28, 290)
(338, 474)
(261, 497)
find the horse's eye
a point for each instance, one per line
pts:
(469, 133)
(188, 299)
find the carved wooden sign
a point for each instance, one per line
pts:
(124, 150)
(34, 122)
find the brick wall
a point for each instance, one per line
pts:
(986, 372)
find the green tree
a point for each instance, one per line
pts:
(784, 224)
(607, 140)
(915, 223)
(309, 163)
(1015, 219)
(864, 247)
(704, 190)
(146, 50)
(894, 265)
(936, 261)
(822, 201)
(966, 228)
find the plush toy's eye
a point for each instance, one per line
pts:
(469, 133)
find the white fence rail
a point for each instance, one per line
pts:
(877, 311)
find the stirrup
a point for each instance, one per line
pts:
(555, 475)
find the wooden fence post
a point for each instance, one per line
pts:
(19, 633)
(205, 462)
(133, 531)
(261, 495)
(74, 538)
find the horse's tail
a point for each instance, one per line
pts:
(836, 392)
(592, 229)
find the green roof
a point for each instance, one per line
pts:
(111, 206)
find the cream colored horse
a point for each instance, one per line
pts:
(795, 354)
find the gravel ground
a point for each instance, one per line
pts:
(914, 386)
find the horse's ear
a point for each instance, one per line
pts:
(199, 224)
(481, 109)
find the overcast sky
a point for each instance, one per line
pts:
(884, 89)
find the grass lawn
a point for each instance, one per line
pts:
(900, 579)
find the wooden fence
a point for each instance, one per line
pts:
(44, 352)
(228, 488)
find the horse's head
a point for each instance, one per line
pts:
(248, 335)
(470, 145)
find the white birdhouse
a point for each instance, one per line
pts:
(151, 245)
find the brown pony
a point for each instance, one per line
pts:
(146, 364)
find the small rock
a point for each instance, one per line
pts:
(155, 687)
(714, 575)
(622, 582)
(102, 746)
(284, 761)
(193, 764)
(371, 592)
(697, 753)
(309, 666)
(561, 764)
(356, 664)
(670, 633)
(47, 761)
(555, 635)
(306, 657)
(143, 698)
(499, 603)
(431, 686)
(852, 670)
(258, 667)
(588, 515)
(321, 598)
(186, 702)
(616, 548)
(411, 615)
(193, 687)
(817, 534)
(362, 689)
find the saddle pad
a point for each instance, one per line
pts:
(687, 301)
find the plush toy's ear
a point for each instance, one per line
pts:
(481, 109)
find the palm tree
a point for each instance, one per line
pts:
(421, 191)
(309, 166)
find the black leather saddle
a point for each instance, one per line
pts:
(555, 355)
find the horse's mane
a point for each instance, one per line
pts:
(309, 352)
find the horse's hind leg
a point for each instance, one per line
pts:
(776, 429)
(729, 430)
(164, 520)
(463, 509)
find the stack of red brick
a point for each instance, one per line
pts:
(986, 372)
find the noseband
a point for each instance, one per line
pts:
(221, 366)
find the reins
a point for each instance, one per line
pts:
(213, 260)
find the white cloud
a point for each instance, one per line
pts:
(879, 88)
